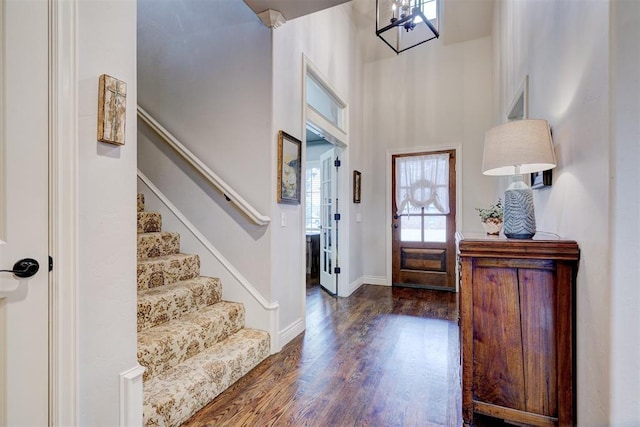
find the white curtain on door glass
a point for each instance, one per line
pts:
(422, 182)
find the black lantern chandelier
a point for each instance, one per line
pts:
(403, 24)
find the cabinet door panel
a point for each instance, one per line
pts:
(537, 297)
(498, 365)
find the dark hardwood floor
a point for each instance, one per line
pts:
(382, 357)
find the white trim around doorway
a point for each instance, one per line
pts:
(63, 213)
(340, 138)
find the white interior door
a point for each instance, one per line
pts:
(24, 303)
(328, 230)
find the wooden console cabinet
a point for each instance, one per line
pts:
(518, 329)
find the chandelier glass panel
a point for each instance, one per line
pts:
(403, 24)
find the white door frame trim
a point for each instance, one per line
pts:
(63, 213)
(390, 154)
(340, 138)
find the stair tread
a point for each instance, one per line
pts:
(166, 269)
(162, 258)
(156, 233)
(162, 304)
(169, 344)
(156, 293)
(196, 320)
(175, 395)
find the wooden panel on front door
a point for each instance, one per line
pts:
(423, 245)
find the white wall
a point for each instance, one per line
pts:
(441, 98)
(204, 71)
(328, 39)
(564, 47)
(625, 211)
(107, 212)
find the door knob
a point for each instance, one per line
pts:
(26, 267)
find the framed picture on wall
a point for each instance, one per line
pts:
(112, 109)
(541, 179)
(289, 168)
(357, 181)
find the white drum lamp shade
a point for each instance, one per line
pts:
(515, 148)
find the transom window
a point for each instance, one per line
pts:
(324, 103)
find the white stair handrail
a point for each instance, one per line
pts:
(210, 175)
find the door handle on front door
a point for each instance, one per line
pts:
(26, 267)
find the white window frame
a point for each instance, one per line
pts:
(312, 164)
(325, 127)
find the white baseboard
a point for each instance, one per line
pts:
(353, 286)
(274, 338)
(291, 331)
(131, 397)
(375, 280)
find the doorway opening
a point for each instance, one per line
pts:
(321, 207)
(325, 120)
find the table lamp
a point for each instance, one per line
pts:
(516, 148)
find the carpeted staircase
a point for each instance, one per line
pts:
(193, 344)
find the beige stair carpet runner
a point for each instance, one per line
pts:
(192, 344)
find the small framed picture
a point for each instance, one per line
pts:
(289, 168)
(357, 185)
(541, 179)
(112, 110)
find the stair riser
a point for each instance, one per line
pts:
(168, 345)
(153, 273)
(172, 398)
(157, 244)
(161, 307)
(149, 222)
(140, 199)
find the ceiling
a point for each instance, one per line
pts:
(292, 9)
(466, 20)
(462, 20)
(315, 139)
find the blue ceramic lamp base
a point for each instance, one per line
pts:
(519, 213)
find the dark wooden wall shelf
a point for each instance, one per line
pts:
(518, 329)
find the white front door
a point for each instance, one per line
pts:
(24, 229)
(328, 224)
